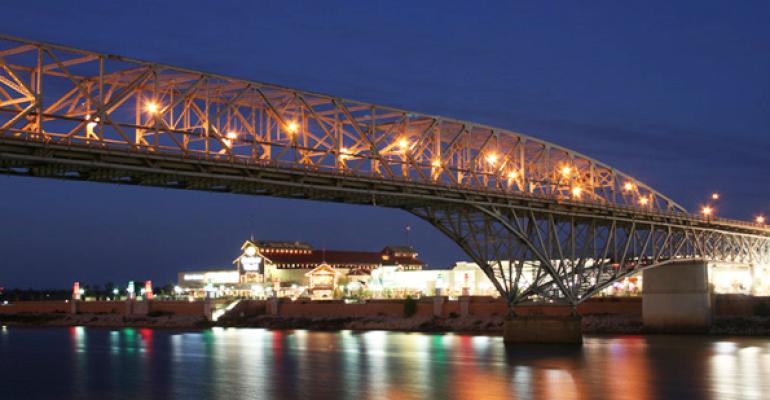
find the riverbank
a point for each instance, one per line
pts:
(482, 325)
(732, 315)
(105, 321)
(591, 324)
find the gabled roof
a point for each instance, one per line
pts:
(348, 259)
(301, 255)
(277, 244)
(359, 272)
(400, 249)
(322, 269)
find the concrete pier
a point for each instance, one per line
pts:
(676, 299)
(543, 329)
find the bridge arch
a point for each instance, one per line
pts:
(500, 195)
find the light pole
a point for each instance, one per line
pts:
(406, 230)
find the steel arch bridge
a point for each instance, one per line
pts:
(545, 223)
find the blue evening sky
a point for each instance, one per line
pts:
(674, 93)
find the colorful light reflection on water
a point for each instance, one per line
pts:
(254, 363)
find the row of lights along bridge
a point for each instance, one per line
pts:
(292, 127)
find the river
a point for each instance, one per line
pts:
(85, 363)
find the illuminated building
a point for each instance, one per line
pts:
(220, 282)
(294, 269)
(268, 261)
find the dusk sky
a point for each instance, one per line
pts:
(676, 94)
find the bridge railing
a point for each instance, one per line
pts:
(408, 180)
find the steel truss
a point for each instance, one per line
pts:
(535, 255)
(502, 196)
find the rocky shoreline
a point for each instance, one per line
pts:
(591, 324)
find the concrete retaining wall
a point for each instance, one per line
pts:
(102, 307)
(738, 304)
(36, 307)
(482, 306)
(177, 307)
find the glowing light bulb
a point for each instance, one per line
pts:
(292, 127)
(436, 163)
(92, 123)
(644, 201)
(715, 196)
(760, 219)
(513, 174)
(152, 107)
(628, 187)
(707, 210)
(403, 144)
(232, 135)
(492, 158)
(576, 192)
(566, 170)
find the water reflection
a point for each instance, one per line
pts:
(255, 363)
(736, 369)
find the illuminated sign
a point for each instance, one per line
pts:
(193, 277)
(251, 263)
(220, 277)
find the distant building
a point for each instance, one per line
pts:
(199, 279)
(269, 261)
(294, 269)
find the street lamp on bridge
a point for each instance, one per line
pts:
(576, 192)
(292, 127)
(707, 211)
(152, 107)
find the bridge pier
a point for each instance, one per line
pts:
(543, 329)
(676, 299)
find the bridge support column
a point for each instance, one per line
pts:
(546, 329)
(676, 299)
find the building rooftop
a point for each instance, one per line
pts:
(336, 258)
